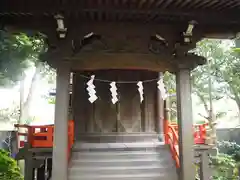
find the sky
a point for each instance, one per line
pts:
(41, 110)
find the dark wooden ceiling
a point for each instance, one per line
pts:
(219, 12)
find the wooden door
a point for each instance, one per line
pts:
(128, 115)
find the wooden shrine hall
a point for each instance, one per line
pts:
(124, 133)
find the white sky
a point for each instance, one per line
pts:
(41, 110)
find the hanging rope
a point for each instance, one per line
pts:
(113, 88)
(120, 82)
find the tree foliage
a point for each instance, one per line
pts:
(17, 52)
(225, 167)
(224, 65)
(226, 163)
(230, 148)
(9, 114)
(202, 77)
(170, 84)
(223, 68)
(8, 167)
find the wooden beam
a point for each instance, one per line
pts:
(220, 4)
(55, 6)
(97, 61)
(178, 2)
(116, 2)
(100, 15)
(124, 2)
(99, 2)
(166, 4)
(150, 3)
(192, 5)
(141, 3)
(200, 16)
(201, 4)
(210, 4)
(229, 5)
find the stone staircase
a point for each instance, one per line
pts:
(125, 161)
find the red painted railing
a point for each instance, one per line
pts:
(199, 132)
(171, 138)
(41, 136)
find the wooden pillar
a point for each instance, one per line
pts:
(184, 114)
(166, 118)
(28, 169)
(205, 170)
(60, 148)
(143, 116)
(160, 113)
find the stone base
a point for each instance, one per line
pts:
(118, 137)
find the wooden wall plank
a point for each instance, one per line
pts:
(105, 111)
(81, 105)
(130, 112)
(127, 115)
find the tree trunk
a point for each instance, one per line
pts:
(21, 97)
(238, 105)
(211, 117)
(204, 104)
(25, 105)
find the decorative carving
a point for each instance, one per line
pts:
(165, 49)
(189, 61)
(79, 43)
(159, 45)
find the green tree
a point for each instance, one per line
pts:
(8, 167)
(17, 52)
(225, 64)
(207, 91)
(170, 84)
(212, 81)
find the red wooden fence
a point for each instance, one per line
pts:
(171, 138)
(42, 136)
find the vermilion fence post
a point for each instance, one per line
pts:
(166, 130)
(171, 138)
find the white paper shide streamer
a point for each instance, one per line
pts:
(140, 90)
(91, 90)
(113, 90)
(162, 89)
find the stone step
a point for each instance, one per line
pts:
(157, 169)
(119, 154)
(121, 162)
(125, 161)
(106, 147)
(141, 176)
